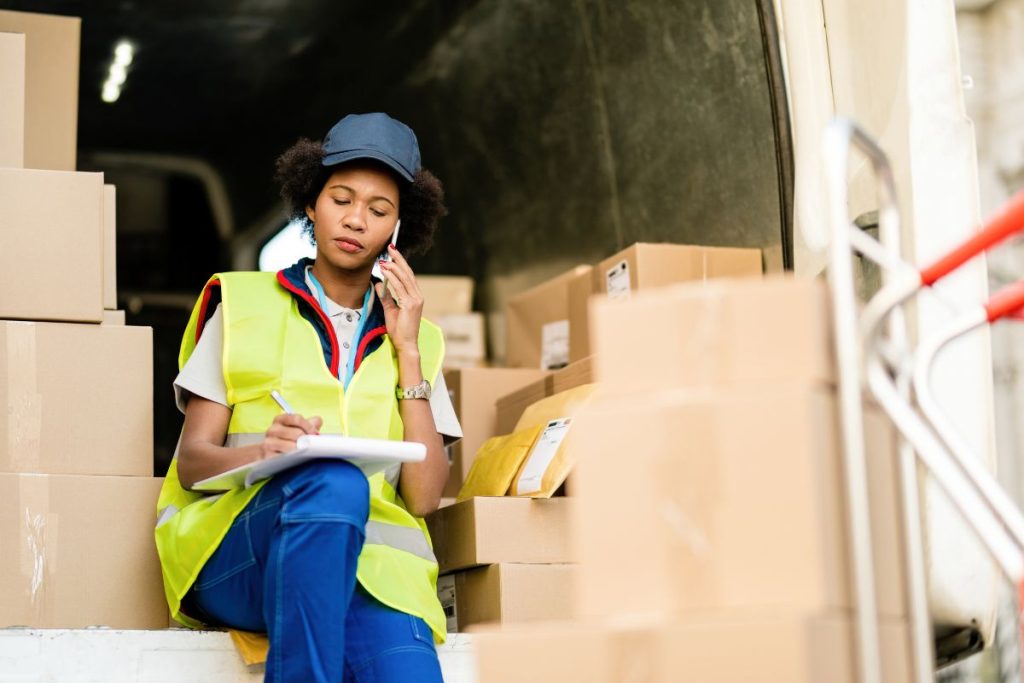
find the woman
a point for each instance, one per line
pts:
(335, 567)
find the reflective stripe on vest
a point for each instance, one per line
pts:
(268, 344)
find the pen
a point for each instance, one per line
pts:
(279, 399)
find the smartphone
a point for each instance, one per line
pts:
(386, 254)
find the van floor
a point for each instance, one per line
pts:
(100, 655)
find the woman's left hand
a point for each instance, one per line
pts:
(403, 307)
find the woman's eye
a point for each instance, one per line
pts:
(339, 202)
(377, 213)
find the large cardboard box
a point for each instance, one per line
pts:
(501, 529)
(726, 500)
(645, 266)
(558, 652)
(714, 334)
(474, 393)
(12, 100)
(51, 252)
(445, 295)
(718, 648)
(506, 594)
(51, 87)
(109, 247)
(537, 324)
(79, 551)
(795, 648)
(512, 405)
(464, 337)
(79, 398)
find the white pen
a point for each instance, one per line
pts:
(279, 399)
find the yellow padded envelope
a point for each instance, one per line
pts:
(551, 457)
(496, 463)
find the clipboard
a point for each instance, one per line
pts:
(369, 455)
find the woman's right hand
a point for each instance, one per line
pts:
(284, 431)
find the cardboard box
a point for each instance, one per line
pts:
(79, 399)
(723, 648)
(734, 648)
(445, 295)
(12, 100)
(109, 247)
(559, 652)
(537, 324)
(474, 393)
(506, 594)
(113, 317)
(51, 87)
(51, 252)
(501, 529)
(464, 335)
(581, 288)
(573, 375)
(645, 266)
(714, 334)
(728, 499)
(511, 406)
(79, 551)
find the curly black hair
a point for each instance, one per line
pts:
(301, 174)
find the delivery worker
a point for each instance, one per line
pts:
(336, 568)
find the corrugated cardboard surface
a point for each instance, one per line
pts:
(109, 247)
(777, 647)
(573, 375)
(511, 406)
(474, 393)
(445, 295)
(726, 499)
(51, 252)
(79, 551)
(714, 334)
(718, 648)
(560, 652)
(528, 312)
(581, 287)
(501, 529)
(658, 265)
(79, 398)
(513, 593)
(51, 87)
(12, 100)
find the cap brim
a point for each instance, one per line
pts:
(352, 155)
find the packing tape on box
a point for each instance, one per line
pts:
(24, 402)
(38, 538)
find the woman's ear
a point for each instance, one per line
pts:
(310, 214)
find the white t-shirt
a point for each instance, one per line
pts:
(203, 373)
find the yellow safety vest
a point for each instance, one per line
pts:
(269, 345)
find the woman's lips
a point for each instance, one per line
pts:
(351, 246)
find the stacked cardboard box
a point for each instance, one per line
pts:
(448, 302)
(709, 504)
(503, 560)
(77, 495)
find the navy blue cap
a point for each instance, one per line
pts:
(373, 136)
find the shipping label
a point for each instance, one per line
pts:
(541, 455)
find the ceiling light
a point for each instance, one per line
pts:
(117, 74)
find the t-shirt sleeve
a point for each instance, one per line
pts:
(203, 374)
(445, 420)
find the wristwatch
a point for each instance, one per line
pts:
(421, 390)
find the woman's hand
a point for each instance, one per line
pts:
(284, 431)
(403, 307)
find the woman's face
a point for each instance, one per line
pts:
(355, 215)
